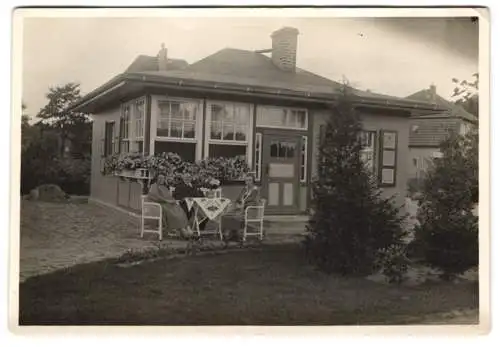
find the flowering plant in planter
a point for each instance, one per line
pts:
(117, 163)
(207, 173)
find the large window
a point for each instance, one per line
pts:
(177, 120)
(177, 128)
(229, 128)
(229, 122)
(125, 120)
(279, 117)
(109, 130)
(131, 127)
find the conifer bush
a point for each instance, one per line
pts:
(448, 229)
(351, 221)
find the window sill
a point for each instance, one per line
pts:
(174, 139)
(228, 142)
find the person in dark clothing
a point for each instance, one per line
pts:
(186, 189)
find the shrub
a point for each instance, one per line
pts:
(393, 262)
(351, 221)
(448, 229)
(40, 164)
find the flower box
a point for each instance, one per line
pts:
(127, 173)
(142, 173)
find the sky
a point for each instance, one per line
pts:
(394, 56)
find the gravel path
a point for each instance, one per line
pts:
(58, 235)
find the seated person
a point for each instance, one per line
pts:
(186, 189)
(234, 219)
(173, 217)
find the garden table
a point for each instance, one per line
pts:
(207, 209)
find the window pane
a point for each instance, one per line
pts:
(139, 107)
(290, 152)
(281, 117)
(242, 114)
(219, 113)
(241, 133)
(274, 149)
(175, 110)
(282, 150)
(301, 119)
(189, 129)
(291, 119)
(162, 127)
(176, 129)
(216, 131)
(228, 132)
(189, 111)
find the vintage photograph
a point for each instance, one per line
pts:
(248, 168)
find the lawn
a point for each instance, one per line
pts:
(267, 286)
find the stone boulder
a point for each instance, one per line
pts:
(48, 193)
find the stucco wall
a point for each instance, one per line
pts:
(103, 188)
(374, 122)
(110, 189)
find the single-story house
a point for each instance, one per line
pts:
(428, 131)
(237, 102)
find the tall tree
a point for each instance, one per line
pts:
(351, 221)
(73, 127)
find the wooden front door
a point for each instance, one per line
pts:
(280, 176)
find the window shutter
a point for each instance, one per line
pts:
(108, 138)
(388, 158)
(102, 147)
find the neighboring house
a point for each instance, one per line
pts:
(238, 102)
(427, 132)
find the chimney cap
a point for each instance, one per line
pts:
(285, 30)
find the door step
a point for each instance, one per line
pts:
(286, 218)
(285, 225)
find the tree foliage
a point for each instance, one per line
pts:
(43, 157)
(466, 94)
(448, 228)
(73, 127)
(351, 221)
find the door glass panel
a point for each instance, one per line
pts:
(281, 170)
(290, 153)
(288, 194)
(274, 149)
(273, 194)
(283, 149)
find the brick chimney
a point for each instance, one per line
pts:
(432, 92)
(284, 48)
(162, 58)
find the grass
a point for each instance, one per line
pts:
(268, 286)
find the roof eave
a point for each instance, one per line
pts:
(107, 87)
(186, 83)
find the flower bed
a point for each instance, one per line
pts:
(208, 173)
